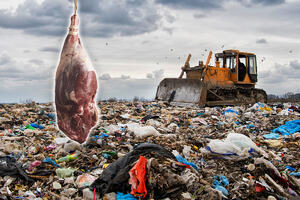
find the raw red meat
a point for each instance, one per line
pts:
(75, 88)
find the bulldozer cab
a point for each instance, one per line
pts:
(242, 65)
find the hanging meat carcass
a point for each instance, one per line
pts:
(75, 88)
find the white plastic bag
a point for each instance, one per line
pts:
(234, 144)
(241, 141)
(222, 147)
(142, 131)
(112, 128)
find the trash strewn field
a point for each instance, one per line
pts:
(150, 150)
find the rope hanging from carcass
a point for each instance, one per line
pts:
(75, 7)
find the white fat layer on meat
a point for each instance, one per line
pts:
(80, 110)
(86, 60)
(67, 95)
(72, 96)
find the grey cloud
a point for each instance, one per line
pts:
(199, 15)
(127, 89)
(105, 77)
(158, 74)
(98, 18)
(4, 59)
(168, 30)
(192, 4)
(295, 65)
(213, 4)
(135, 2)
(261, 2)
(26, 73)
(18, 91)
(89, 6)
(49, 49)
(149, 75)
(34, 69)
(281, 73)
(261, 41)
(124, 77)
(21, 75)
(264, 74)
(36, 61)
(268, 2)
(170, 18)
(145, 42)
(292, 70)
(36, 18)
(272, 78)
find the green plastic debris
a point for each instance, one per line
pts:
(30, 127)
(68, 158)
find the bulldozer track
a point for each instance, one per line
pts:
(235, 96)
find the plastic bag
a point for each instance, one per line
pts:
(115, 176)
(234, 145)
(9, 167)
(288, 128)
(142, 131)
(121, 196)
(138, 178)
(219, 182)
(183, 160)
(272, 136)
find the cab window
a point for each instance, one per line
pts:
(242, 59)
(252, 64)
(220, 59)
(231, 63)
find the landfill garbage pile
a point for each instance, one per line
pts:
(151, 150)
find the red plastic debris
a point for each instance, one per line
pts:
(138, 178)
(260, 188)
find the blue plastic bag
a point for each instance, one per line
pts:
(272, 136)
(230, 111)
(34, 125)
(288, 128)
(184, 161)
(297, 174)
(219, 182)
(249, 126)
(121, 196)
(290, 168)
(51, 115)
(49, 160)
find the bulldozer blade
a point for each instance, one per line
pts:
(182, 90)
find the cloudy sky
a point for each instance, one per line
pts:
(133, 44)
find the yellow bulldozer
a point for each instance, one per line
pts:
(230, 82)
